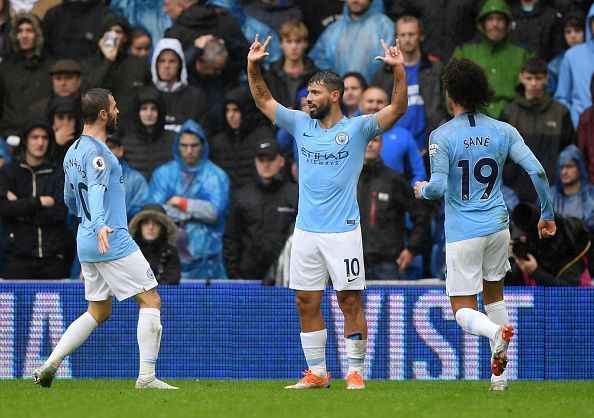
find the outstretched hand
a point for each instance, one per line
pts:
(258, 51)
(546, 229)
(392, 54)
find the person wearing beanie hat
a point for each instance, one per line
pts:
(37, 243)
(113, 68)
(24, 75)
(155, 234)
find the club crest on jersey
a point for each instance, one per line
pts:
(99, 163)
(433, 149)
(342, 138)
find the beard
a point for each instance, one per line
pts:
(112, 124)
(320, 112)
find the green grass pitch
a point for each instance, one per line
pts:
(264, 399)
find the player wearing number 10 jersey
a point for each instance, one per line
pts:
(94, 191)
(467, 157)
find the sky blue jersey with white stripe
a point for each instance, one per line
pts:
(94, 192)
(330, 162)
(467, 157)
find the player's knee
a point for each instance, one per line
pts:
(101, 315)
(350, 304)
(304, 304)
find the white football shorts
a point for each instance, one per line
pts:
(315, 256)
(123, 278)
(473, 260)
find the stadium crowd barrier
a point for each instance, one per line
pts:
(234, 331)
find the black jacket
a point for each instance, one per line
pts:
(384, 196)
(260, 220)
(430, 73)
(145, 150)
(30, 229)
(538, 31)
(234, 150)
(283, 86)
(163, 259)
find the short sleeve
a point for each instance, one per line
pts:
(438, 154)
(287, 119)
(97, 167)
(369, 126)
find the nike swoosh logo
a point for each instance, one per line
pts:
(304, 134)
(349, 280)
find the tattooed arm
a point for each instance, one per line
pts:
(264, 100)
(388, 116)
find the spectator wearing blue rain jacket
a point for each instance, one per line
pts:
(251, 27)
(144, 13)
(195, 195)
(572, 194)
(575, 73)
(363, 24)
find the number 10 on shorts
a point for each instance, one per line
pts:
(352, 266)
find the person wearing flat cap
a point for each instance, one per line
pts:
(261, 218)
(155, 234)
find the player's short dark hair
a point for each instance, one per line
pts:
(534, 66)
(94, 101)
(328, 79)
(466, 83)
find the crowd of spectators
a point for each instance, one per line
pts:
(211, 185)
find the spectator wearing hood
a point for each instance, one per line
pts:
(274, 12)
(495, 52)
(351, 43)
(72, 28)
(195, 195)
(572, 26)
(24, 75)
(37, 244)
(233, 149)
(113, 67)
(585, 135)
(155, 235)
(192, 19)
(572, 194)
(136, 186)
(170, 77)
(575, 73)
(64, 116)
(544, 123)
(261, 217)
(147, 143)
(250, 26)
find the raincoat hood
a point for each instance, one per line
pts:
(175, 46)
(571, 152)
(156, 212)
(232, 6)
(588, 30)
(34, 21)
(490, 6)
(194, 128)
(376, 6)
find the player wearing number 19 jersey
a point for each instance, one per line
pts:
(467, 157)
(111, 262)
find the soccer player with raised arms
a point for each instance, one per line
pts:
(112, 263)
(327, 237)
(467, 157)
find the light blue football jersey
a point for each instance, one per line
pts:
(471, 150)
(94, 192)
(330, 162)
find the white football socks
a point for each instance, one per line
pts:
(497, 312)
(356, 350)
(314, 348)
(76, 334)
(149, 340)
(476, 323)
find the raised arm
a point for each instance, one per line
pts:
(262, 96)
(388, 116)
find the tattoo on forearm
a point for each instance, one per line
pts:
(253, 76)
(260, 90)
